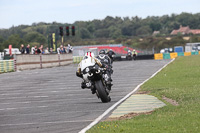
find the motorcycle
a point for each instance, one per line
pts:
(95, 78)
(134, 56)
(129, 56)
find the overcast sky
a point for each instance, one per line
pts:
(17, 12)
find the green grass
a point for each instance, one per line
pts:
(179, 81)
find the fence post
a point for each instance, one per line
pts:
(59, 59)
(15, 62)
(40, 60)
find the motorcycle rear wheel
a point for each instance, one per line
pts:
(100, 88)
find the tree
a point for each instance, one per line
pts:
(13, 40)
(1, 43)
(91, 28)
(84, 33)
(114, 32)
(127, 30)
(102, 33)
(144, 30)
(109, 27)
(155, 26)
(35, 37)
(108, 21)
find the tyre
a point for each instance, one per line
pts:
(102, 92)
(134, 57)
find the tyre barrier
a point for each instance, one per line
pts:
(160, 56)
(145, 57)
(6, 66)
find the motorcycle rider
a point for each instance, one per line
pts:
(110, 53)
(78, 72)
(134, 53)
(129, 55)
(103, 61)
(107, 64)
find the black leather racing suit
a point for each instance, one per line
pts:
(106, 63)
(110, 53)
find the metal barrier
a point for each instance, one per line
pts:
(6, 66)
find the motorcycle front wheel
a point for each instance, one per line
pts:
(100, 88)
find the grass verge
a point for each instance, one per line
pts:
(179, 81)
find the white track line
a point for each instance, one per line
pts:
(120, 101)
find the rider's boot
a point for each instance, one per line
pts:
(83, 85)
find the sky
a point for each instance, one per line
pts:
(26, 12)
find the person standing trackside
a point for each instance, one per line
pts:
(22, 49)
(46, 51)
(39, 50)
(28, 49)
(35, 50)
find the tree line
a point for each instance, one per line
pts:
(126, 30)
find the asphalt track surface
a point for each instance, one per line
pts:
(51, 101)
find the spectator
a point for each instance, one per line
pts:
(62, 49)
(58, 50)
(39, 50)
(28, 49)
(42, 49)
(47, 50)
(22, 49)
(65, 49)
(51, 50)
(69, 48)
(35, 50)
(32, 50)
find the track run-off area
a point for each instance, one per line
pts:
(51, 100)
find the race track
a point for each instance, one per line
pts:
(51, 100)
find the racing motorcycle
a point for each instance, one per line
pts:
(95, 78)
(134, 56)
(129, 56)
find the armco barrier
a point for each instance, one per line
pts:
(173, 55)
(6, 66)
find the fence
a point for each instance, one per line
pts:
(160, 56)
(42, 61)
(23, 62)
(6, 66)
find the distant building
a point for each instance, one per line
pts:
(185, 30)
(156, 33)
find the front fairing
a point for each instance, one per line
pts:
(87, 62)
